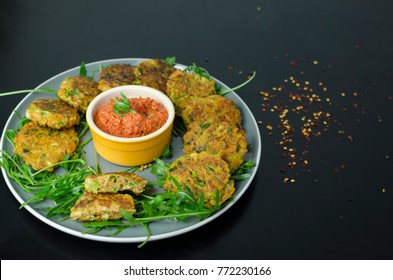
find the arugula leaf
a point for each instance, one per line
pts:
(171, 61)
(82, 70)
(198, 70)
(122, 106)
(28, 91)
(160, 170)
(71, 92)
(95, 227)
(179, 127)
(242, 172)
(222, 92)
(167, 151)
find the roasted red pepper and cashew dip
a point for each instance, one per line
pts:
(144, 117)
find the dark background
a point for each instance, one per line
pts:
(340, 203)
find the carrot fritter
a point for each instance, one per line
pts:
(182, 84)
(102, 207)
(41, 147)
(214, 108)
(218, 138)
(117, 75)
(52, 113)
(78, 91)
(115, 182)
(205, 174)
(154, 73)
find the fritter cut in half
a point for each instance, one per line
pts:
(78, 91)
(41, 147)
(52, 113)
(214, 108)
(154, 73)
(116, 75)
(115, 182)
(102, 207)
(182, 84)
(205, 174)
(218, 138)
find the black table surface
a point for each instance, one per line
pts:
(322, 97)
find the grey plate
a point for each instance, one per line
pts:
(159, 230)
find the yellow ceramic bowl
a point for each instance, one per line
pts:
(130, 151)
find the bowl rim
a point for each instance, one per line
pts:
(115, 91)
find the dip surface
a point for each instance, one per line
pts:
(149, 116)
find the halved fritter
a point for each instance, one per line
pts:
(42, 147)
(182, 84)
(115, 182)
(116, 75)
(78, 91)
(154, 73)
(52, 113)
(205, 174)
(214, 108)
(102, 207)
(218, 138)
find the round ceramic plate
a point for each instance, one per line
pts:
(159, 230)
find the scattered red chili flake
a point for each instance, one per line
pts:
(287, 180)
(293, 63)
(305, 102)
(303, 108)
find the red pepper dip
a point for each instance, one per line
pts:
(147, 116)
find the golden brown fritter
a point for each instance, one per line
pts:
(182, 84)
(219, 138)
(205, 174)
(42, 147)
(52, 113)
(115, 182)
(154, 73)
(102, 207)
(78, 91)
(214, 108)
(117, 75)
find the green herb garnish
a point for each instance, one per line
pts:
(69, 92)
(160, 170)
(28, 91)
(167, 151)
(224, 92)
(82, 70)
(198, 70)
(171, 61)
(242, 173)
(179, 127)
(122, 106)
(63, 190)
